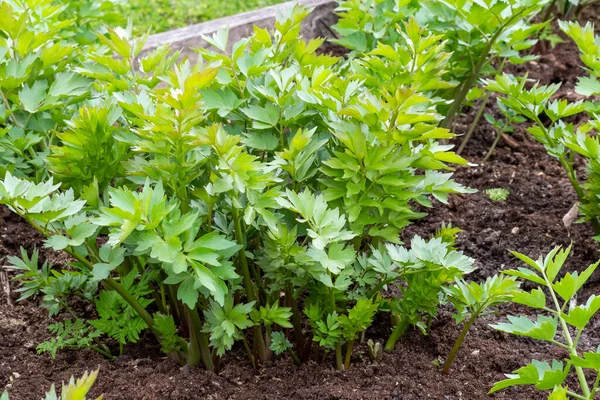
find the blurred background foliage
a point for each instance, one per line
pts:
(162, 15)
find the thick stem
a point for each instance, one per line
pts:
(199, 347)
(296, 318)
(399, 330)
(268, 341)
(459, 341)
(474, 123)
(205, 351)
(259, 344)
(244, 271)
(339, 362)
(193, 350)
(348, 354)
(468, 84)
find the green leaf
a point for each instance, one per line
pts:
(540, 374)
(571, 283)
(544, 328)
(263, 117)
(580, 316)
(590, 360)
(32, 97)
(536, 298)
(526, 274)
(587, 86)
(187, 292)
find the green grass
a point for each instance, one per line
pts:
(162, 15)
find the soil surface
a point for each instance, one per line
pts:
(529, 221)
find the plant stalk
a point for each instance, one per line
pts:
(480, 111)
(339, 362)
(296, 318)
(348, 354)
(468, 84)
(572, 349)
(399, 330)
(493, 146)
(244, 270)
(199, 348)
(459, 341)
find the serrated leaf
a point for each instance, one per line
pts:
(536, 298)
(544, 328)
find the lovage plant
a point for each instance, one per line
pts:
(563, 139)
(198, 201)
(562, 321)
(480, 36)
(41, 45)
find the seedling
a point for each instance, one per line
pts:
(74, 390)
(560, 311)
(497, 194)
(473, 300)
(374, 349)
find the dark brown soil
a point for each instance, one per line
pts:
(530, 221)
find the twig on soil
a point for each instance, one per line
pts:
(5, 283)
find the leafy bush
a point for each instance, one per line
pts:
(41, 45)
(199, 201)
(562, 139)
(561, 312)
(479, 36)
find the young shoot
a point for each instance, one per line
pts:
(473, 300)
(561, 320)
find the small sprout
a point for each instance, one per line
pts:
(472, 299)
(497, 194)
(280, 344)
(374, 349)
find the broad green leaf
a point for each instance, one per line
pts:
(536, 298)
(544, 328)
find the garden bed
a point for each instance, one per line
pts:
(529, 221)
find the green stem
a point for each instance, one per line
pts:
(480, 111)
(572, 349)
(244, 271)
(339, 363)
(296, 318)
(199, 347)
(348, 354)
(596, 383)
(399, 330)
(205, 351)
(294, 357)
(468, 84)
(577, 396)
(379, 286)
(493, 146)
(259, 344)
(132, 301)
(459, 341)
(193, 350)
(249, 352)
(268, 341)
